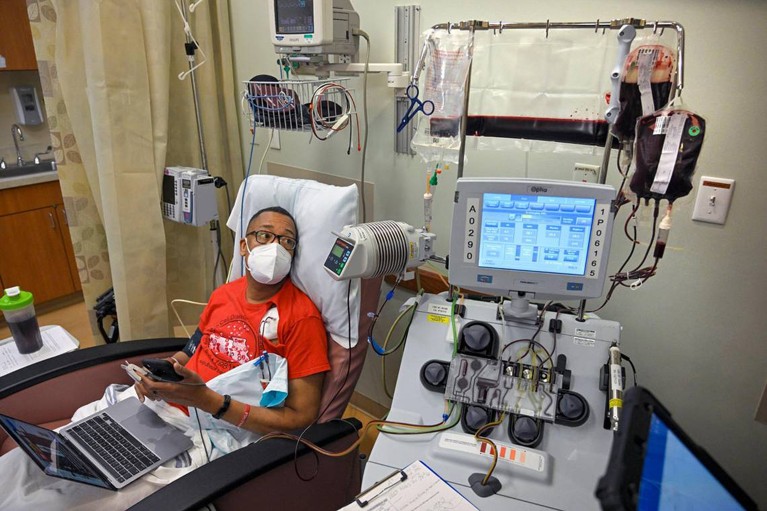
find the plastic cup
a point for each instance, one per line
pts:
(19, 311)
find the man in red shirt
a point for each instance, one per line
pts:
(233, 330)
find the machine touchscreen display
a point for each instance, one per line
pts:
(535, 233)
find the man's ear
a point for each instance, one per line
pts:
(243, 248)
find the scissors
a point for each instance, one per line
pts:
(416, 105)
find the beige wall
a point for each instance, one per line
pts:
(696, 332)
(36, 138)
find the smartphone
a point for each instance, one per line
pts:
(161, 370)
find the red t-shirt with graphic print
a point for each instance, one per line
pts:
(231, 332)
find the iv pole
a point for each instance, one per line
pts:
(627, 27)
(190, 48)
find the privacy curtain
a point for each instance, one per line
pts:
(115, 64)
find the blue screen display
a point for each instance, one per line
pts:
(535, 233)
(674, 479)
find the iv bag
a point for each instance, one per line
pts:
(437, 136)
(647, 79)
(668, 143)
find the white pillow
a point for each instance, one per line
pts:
(318, 209)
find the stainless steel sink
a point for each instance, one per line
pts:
(27, 169)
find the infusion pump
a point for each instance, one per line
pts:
(188, 196)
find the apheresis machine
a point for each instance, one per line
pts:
(512, 401)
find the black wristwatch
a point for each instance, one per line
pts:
(224, 407)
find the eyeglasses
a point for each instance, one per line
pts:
(266, 237)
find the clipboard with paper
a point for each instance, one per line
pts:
(416, 487)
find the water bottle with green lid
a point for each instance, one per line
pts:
(19, 311)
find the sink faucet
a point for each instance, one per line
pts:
(17, 136)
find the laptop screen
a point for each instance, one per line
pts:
(49, 451)
(674, 478)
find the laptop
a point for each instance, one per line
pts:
(655, 466)
(110, 449)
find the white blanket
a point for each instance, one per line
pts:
(26, 487)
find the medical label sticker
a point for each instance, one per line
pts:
(581, 341)
(616, 375)
(512, 454)
(438, 308)
(669, 152)
(646, 61)
(591, 334)
(434, 318)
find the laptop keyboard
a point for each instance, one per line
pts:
(119, 452)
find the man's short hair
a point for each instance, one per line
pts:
(275, 209)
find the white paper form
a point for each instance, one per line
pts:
(420, 489)
(56, 341)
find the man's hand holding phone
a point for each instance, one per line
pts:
(170, 382)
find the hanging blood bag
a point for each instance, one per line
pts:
(647, 79)
(667, 146)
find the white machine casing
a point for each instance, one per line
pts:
(189, 196)
(378, 248)
(560, 473)
(466, 241)
(334, 22)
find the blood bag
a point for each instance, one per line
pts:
(667, 146)
(647, 79)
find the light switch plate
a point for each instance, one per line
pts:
(585, 173)
(713, 200)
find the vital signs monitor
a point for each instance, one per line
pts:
(313, 27)
(547, 239)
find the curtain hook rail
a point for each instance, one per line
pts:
(547, 29)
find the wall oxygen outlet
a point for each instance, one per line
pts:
(713, 200)
(585, 173)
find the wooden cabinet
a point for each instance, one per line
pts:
(36, 250)
(16, 44)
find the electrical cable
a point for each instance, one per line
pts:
(412, 308)
(299, 439)
(364, 35)
(423, 428)
(373, 344)
(178, 317)
(266, 151)
(202, 436)
(633, 369)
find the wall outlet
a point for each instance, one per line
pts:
(275, 139)
(585, 173)
(713, 200)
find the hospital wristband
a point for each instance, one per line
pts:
(224, 407)
(245, 415)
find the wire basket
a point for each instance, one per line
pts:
(298, 105)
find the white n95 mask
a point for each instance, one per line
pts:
(268, 264)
